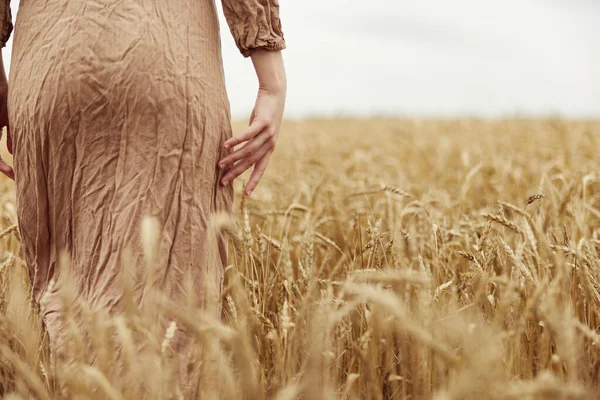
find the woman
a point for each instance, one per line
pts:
(117, 110)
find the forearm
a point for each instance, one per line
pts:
(270, 70)
(3, 80)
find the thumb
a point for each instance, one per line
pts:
(252, 115)
(254, 129)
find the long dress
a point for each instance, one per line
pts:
(118, 110)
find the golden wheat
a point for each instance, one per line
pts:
(378, 259)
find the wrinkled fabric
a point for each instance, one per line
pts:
(118, 110)
(254, 25)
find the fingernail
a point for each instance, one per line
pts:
(221, 165)
(226, 145)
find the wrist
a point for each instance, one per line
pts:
(270, 70)
(273, 87)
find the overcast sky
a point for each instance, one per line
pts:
(432, 58)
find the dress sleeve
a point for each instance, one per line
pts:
(6, 25)
(254, 24)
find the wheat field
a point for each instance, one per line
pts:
(377, 259)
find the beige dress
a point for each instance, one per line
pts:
(118, 109)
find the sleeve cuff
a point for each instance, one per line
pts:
(274, 44)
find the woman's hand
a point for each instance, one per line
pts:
(4, 167)
(261, 136)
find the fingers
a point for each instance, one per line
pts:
(250, 132)
(245, 163)
(7, 169)
(257, 173)
(249, 148)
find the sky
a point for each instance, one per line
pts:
(431, 58)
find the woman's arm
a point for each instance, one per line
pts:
(256, 29)
(3, 80)
(6, 28)
(265, 121)
(4, 167)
